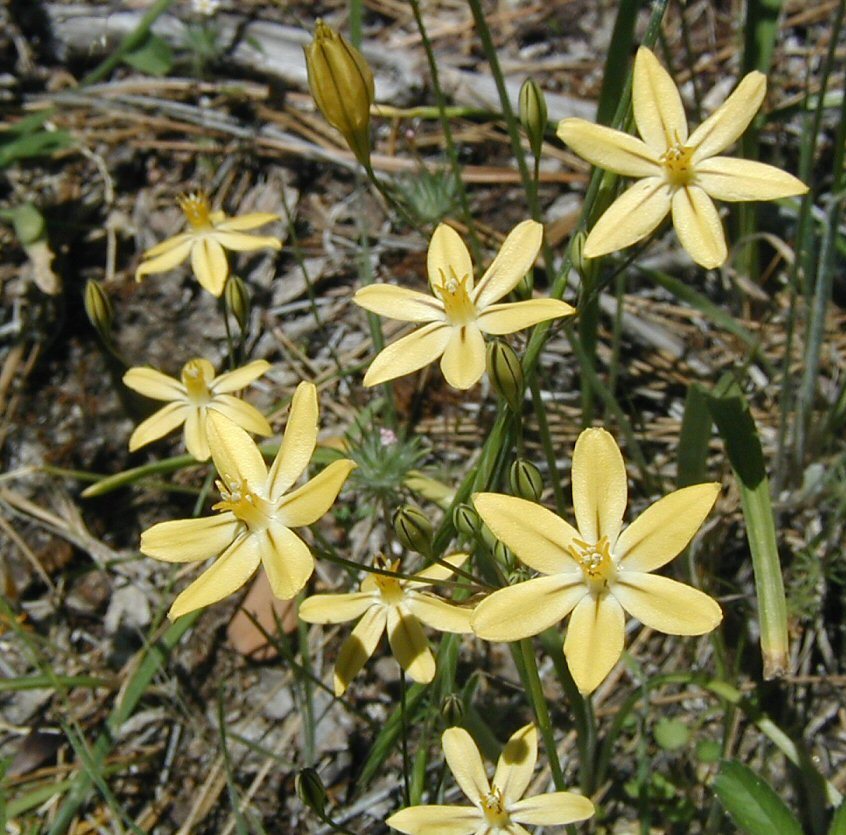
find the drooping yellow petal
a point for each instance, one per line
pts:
(208, 261)
(658, 109)
(170, 258)
(527, 608)
(158, 425)
(724, 178)
(610, 149)
(445, 820)
(400, 303)
(287, 560)
(239, 242)
(514, 259)
(725, 125)
(514, 316)
(239, 378)
(437, 613)
(154, 384)
(698, 225)
(666, 605)
(463, 362)
(168, 245)
(190, 540)
(553, 809)
(243, 414)
(235, 454)
(664, 529)
(311, 501)
(359, 647)
(437, 571)
(298, 442)
(539, 537)
(408, 354)
(228, 573)
(464, 762)
(600, 489)
(516, 764)
(336, 608)
(195, 435)
(631, 217)
(410, 646)
(242, 223)
(594, 640)
(448, 258)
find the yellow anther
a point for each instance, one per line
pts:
(595, 562)
(196, 209)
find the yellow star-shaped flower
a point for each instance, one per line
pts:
(498, 806)
(459, 312)
(676, 172)
(257, 511)
(395, 604)
(208, 235)
(192, 399)
(596, 572)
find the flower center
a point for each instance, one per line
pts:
(196, 209)
(389, 587)
(494, 808)
(595, 562)
(252, 509)
(678, 169)
(195, 383)
(458, 305)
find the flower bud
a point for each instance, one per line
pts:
(98, 308)
(506, 373)
(487, 536)
(581, 264)
(525, 479)
(452, 709)
(533, 115)
(310, 790)
(413, 529)
(466, 520)
(502, 554)
(237, 298)
(341, 84)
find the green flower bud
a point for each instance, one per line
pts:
(582, 265)
(502, 554)
(310, 791)
(533, 114)
(525, 479)
(487, 536)
(505, 373)
(452, 709)
(341, 84)
(98, 308)
(466, 520)
(237, 298)
(413, 529)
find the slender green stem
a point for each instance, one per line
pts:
(406, 784)
(548, 446)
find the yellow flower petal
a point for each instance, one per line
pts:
(154, 384)
(514, 259)
(287, 560)
(553, 809)
(190, 540)
(409, 645)
(235, 454)
(239, 378)
(241, 413)
(168, 245)
(600, 488)
(358, 647)
(336, 608)
(666, 605)
(464, 762)
(158, 425)
(658, 110)
(448, 256)
(229, 572)
(298, 442)
(163, 263)
(463, 362)
(437, 613)
(238, 242)
(730, 179)
(698, 225)
(665, 528)
(195, 435)
(408, 354)
(311, 501)
(514, 316)
(725, 125)
(630, 218)
(445, 820)
(400, 303)
(208, 261)
(608, 148)
(516, 764)
(538, 537)
(242, 223)
(528, 608)
(594, 640)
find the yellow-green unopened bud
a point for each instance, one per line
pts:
(503, 556)
(341, 83)
(506, 373)
(237, 297)
(310, 790)
(526, 481)
(452, 709)
(413, 529)
(533, 115)
(466, 520)
(487, 536)
(582, 265)
(98, 308)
